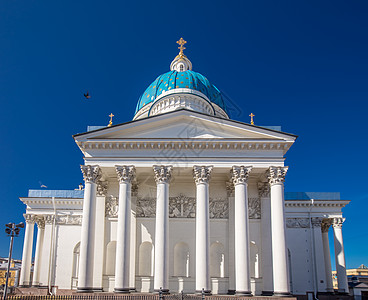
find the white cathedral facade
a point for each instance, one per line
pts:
(182, 198)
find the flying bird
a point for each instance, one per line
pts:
(87, 95)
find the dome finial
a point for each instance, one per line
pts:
(181, 42)
(181, 63)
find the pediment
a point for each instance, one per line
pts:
(184, 125)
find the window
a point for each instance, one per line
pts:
(181, 259)
(110, 258)
(145, 259)
(217, 260)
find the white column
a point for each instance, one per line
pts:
(25, 274)
(161, 274)
(239, 176)
(266, 238)
(99, 247)
(91, 175)
(202, 175)
(326, 253)
(125, 175)
(276, 177)
(342, 280)
(319, 264)
(38, 255)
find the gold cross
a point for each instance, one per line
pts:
(110, 123)
(181, 42)
(251, 118)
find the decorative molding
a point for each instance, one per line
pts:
(185, 207)
(146, 207)
(337, 222)
(276, 175)
(182, 207)
(162, 173)
(69, 219)
(134, 189)
(40, 220)
(111, 207)
(91, 173)
(102, 188)
(263, 189)
(297, 223)
(240, 174)
(254, 208)
(316, 222)
(125, 173)
(202, 174)
(230, 189)
(30, 219)
(219, 209)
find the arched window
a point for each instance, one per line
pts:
(76, 252)
(75, 269)
(254, 260)
(145, 259)
(181, 68)
(110, 258)
(181, 259)
(217, 260)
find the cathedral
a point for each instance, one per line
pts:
(183, 199)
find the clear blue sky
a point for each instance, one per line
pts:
(299, 64)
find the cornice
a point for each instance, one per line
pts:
(180, 144)
(49, 201)
(317, 203)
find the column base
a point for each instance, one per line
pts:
(205, 292)
(244, 293)
(24, 285)
(132, 289)
(231, 292)
(164, 291)
(36, 285)
(84, 290)
(122, 290)
(267, 293)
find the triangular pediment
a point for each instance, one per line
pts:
(184, 125)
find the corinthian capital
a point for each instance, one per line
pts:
(91, 173)
(30, 219)
(125, 173)
(276, 174)
(326, 225)
(337, 222)
(162, 173)
(202, 174)
(240, 174)
(40, 220)
(263, 189)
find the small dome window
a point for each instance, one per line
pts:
(181, 68)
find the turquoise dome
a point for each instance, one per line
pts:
(178, 80)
